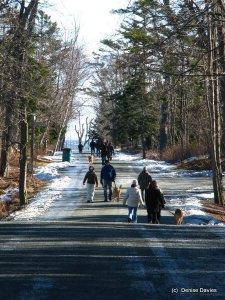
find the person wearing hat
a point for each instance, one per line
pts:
(92, 182)
(133, 199)
(108, 176)
(154, 200)
(144, 179)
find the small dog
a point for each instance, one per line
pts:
(179, 216)
(117, 192)
(90, 159)
(3, 209)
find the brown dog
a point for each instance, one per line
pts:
(3, 209)
(117, 192)
(90, 159)
(179, 216)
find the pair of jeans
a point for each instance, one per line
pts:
(132, 213)
(107, 185)
(103, 160)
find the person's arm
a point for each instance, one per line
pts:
(114, 174)
(101, 176)
(140, 200)
(139, 178)
(96, 180)
(125, 197)
(161, 199)
(85, 178)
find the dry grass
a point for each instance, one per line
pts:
(10, 184)
(216, 211)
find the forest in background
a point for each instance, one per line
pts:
(156, 85)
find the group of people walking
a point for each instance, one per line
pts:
(107, 177)
(103, 149)
(148, 195)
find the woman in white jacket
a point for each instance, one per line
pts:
(133, 199)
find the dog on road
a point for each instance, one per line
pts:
(117, 192)
(90, 159)
(179, 216)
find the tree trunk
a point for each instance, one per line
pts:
(163, 127)
(6, 136)
(214, 109)
(22, 37)
(23, 159)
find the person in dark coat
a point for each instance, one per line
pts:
(98, 148)
(110, 151)
(92, 182)
(104, 152)
(108, 176)
(154, 201)
(80, 147)
(144, 179)
(92, 146)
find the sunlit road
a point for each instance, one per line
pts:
(79, 250)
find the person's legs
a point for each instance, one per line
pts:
(149, 215)
(154, 218)
(159, 215)
(103, 160)
(110, 189)
(132, 214)
(92, 192)
(105, 189)
(142, 194)
(134, 217)
(130, 210)
(88, 192)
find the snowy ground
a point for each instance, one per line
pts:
(192, 187)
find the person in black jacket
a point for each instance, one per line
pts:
(154, 200)
(92, 146)
(92, 181)
(144, 179)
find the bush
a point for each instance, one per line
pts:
(179, 153)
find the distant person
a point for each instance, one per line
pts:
(104, 152)
(110, 151)
(80, 148)
(133, 199)
(144, 179)
(92, 182)
(154, 200)
(108, 176)
(92, 146)
(98, 148)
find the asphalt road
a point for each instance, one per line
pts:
(79, 250)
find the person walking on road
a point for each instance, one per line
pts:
(144, 179)
(108, 176)
(80, 147)
(133, 199)
(93, 146)
(110, 151)
(154, 200)
(92, 182)
(104, 152)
